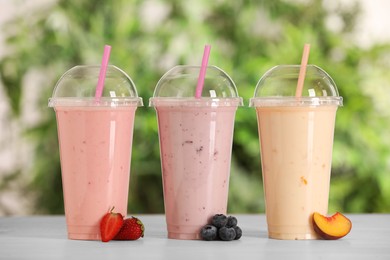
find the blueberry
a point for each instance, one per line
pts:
(238, 232)
(219, 220)
(226, 234)
(231, 221)
(208, 232)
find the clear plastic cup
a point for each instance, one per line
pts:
(296, 141)
(95, 141)
(196, 136)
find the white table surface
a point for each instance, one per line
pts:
(44, 237)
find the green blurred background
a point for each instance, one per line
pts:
(248, 37)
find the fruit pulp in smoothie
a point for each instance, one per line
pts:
(296, 154)
(95, 151)
(195, 149)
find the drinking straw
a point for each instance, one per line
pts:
(302, 70)
(202, 73)
(102, 73)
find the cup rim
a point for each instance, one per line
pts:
(295, 101)
(195, 102)
(91, 102)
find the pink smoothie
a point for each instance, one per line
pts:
(195, 148)
(95, 150)
(296, 155)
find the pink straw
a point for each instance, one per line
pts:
(302, 70)
(103, 70)
(202, 73)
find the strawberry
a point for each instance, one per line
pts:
(132, 229)
(110, 225)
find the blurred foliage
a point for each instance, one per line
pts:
(248, 37)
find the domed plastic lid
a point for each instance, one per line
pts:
(178, 86)
(77, 88)
(278, 85)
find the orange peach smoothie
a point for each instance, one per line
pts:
(296, 154)
(195, 148)
(95, 151)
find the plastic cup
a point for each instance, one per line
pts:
(95, 141)
(296, 142)
(196, 137)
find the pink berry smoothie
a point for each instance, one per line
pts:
(95, 151)
(195, 148)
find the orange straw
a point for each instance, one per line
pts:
(102, 74)
(302, 70)
(202, 73)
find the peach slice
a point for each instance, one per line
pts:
(334, 227)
